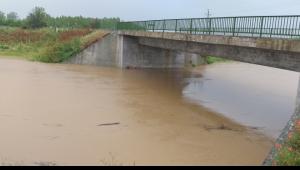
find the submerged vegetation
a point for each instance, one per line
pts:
(289, 153)
(46, 45)
(212, 60)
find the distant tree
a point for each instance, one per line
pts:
(12, 16)
(95, 23)
(37, 18)
(2, 17)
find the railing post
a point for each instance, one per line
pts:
(146, 27)
(261, 26)
(234, 26)
(271, 33)
(191, 27)
(176, 25)
(153, 26)
(209, 22)
(164, 26)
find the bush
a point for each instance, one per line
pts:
(288, 158)
(4, 47)
(289, 153)
(60, 51)
(212, 60)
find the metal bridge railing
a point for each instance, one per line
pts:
(252, 26)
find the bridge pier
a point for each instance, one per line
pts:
(285, 133)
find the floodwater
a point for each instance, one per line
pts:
(259, 97)
(84, 115)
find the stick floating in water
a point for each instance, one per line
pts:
(109, 124)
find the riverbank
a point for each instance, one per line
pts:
(288, 153)
(46, 45)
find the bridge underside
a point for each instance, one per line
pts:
(135, 54)
(278, 53)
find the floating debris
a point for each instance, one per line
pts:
(110, 124)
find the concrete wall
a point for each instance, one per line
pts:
(102, 53)
(125, 51)
(135, 54)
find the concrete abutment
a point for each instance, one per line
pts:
(126, 51)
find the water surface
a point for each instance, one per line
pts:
(84, 115)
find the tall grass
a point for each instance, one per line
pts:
(59, 51)
(289, 153)
(213, 60)
(46, 45)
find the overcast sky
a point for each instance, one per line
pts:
(154, 9)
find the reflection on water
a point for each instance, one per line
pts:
(83, 115)
(253, 95)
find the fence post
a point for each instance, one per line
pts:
(209, 22)
(271, 33)
(153, 26)
(146, 27)
(234, 26)
(176, 25)
(164, 26)
(191, 28)
(261, 27)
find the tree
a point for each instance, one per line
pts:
(37, 18)
(2, 17)
(12, 16)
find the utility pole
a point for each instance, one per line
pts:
(208, 14)
(208, 21)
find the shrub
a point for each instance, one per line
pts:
(4, 47)
(289, 153)
(60, 51)
(212, 60)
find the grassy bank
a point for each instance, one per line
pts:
(289, 153)
(46, 45)
(213, 60)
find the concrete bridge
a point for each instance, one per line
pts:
(145, 45)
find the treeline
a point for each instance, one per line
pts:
(11, 19)
(38, 18)
(81, 22)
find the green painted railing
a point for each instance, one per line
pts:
(250, 26)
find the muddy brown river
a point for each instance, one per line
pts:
(224, 114)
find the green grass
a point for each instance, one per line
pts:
(58, 52)
(46, 45)
(213, 60)
(289, 153)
